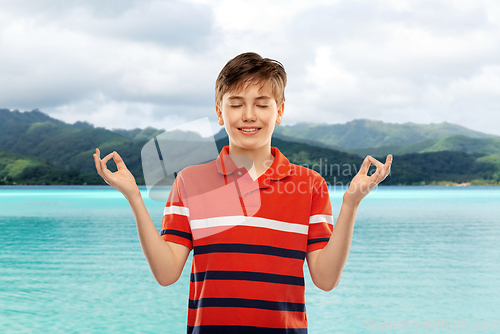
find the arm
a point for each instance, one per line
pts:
(166, 259)
(326, 265)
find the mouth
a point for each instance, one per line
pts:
(249, 130)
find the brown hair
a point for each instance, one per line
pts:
(249, 67)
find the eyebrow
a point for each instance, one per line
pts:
(264, 97)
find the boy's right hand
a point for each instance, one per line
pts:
(122, 180)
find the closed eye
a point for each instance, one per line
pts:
(262, 106)
(235, 106)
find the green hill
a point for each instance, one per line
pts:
(37, 149)
(55, 142)
(456, 143)
(362, 133)
(139, 134)
(18, 169)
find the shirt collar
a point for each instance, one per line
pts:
(279, 169)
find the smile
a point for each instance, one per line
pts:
(249, 131)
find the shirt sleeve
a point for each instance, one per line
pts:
(321, 218)
(175, 223)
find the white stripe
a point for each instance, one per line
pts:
(249, 221)
(179, 210)
(321, 219)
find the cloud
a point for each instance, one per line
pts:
(383, 60)
(145, 62)
(52, 9)
(57, 57)
(171, 23)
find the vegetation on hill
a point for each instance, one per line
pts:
(338, 168)
(139, 134)
(458, 143)
(363, 133)
(17, 169)
(37, 149)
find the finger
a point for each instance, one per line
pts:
(97, 159)
(376, 162)
(106, 158)
(375, 177)
(98, 165)
(119, 161)
(378, 165)
(384, 170)
(104, 169)
(365, 166)
(387, 166)
(388, 163)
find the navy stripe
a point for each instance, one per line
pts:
(250, 249)
(247, 276)
(220, 329)
(178, 233)
(313, 241)
(247, 303)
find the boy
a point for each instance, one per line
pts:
(250, 216)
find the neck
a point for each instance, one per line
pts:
(260, 157)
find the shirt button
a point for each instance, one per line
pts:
(239, 173)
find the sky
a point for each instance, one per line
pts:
(138, 63)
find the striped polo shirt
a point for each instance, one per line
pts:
(249, 238)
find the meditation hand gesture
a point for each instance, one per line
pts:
(122, 180)
(362, 184)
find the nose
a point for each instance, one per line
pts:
(249, 114)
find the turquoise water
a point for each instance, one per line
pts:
(71, 262)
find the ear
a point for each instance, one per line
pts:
(219, 115)
(281, 110)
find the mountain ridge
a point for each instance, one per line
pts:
(64, 148)
(458, 143)
(355, 134)
(363, 133)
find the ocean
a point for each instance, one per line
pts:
(421, 259)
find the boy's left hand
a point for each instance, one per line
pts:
(362, 184)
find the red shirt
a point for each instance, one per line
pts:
(250, 238)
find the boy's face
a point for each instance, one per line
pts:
(249, 116)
